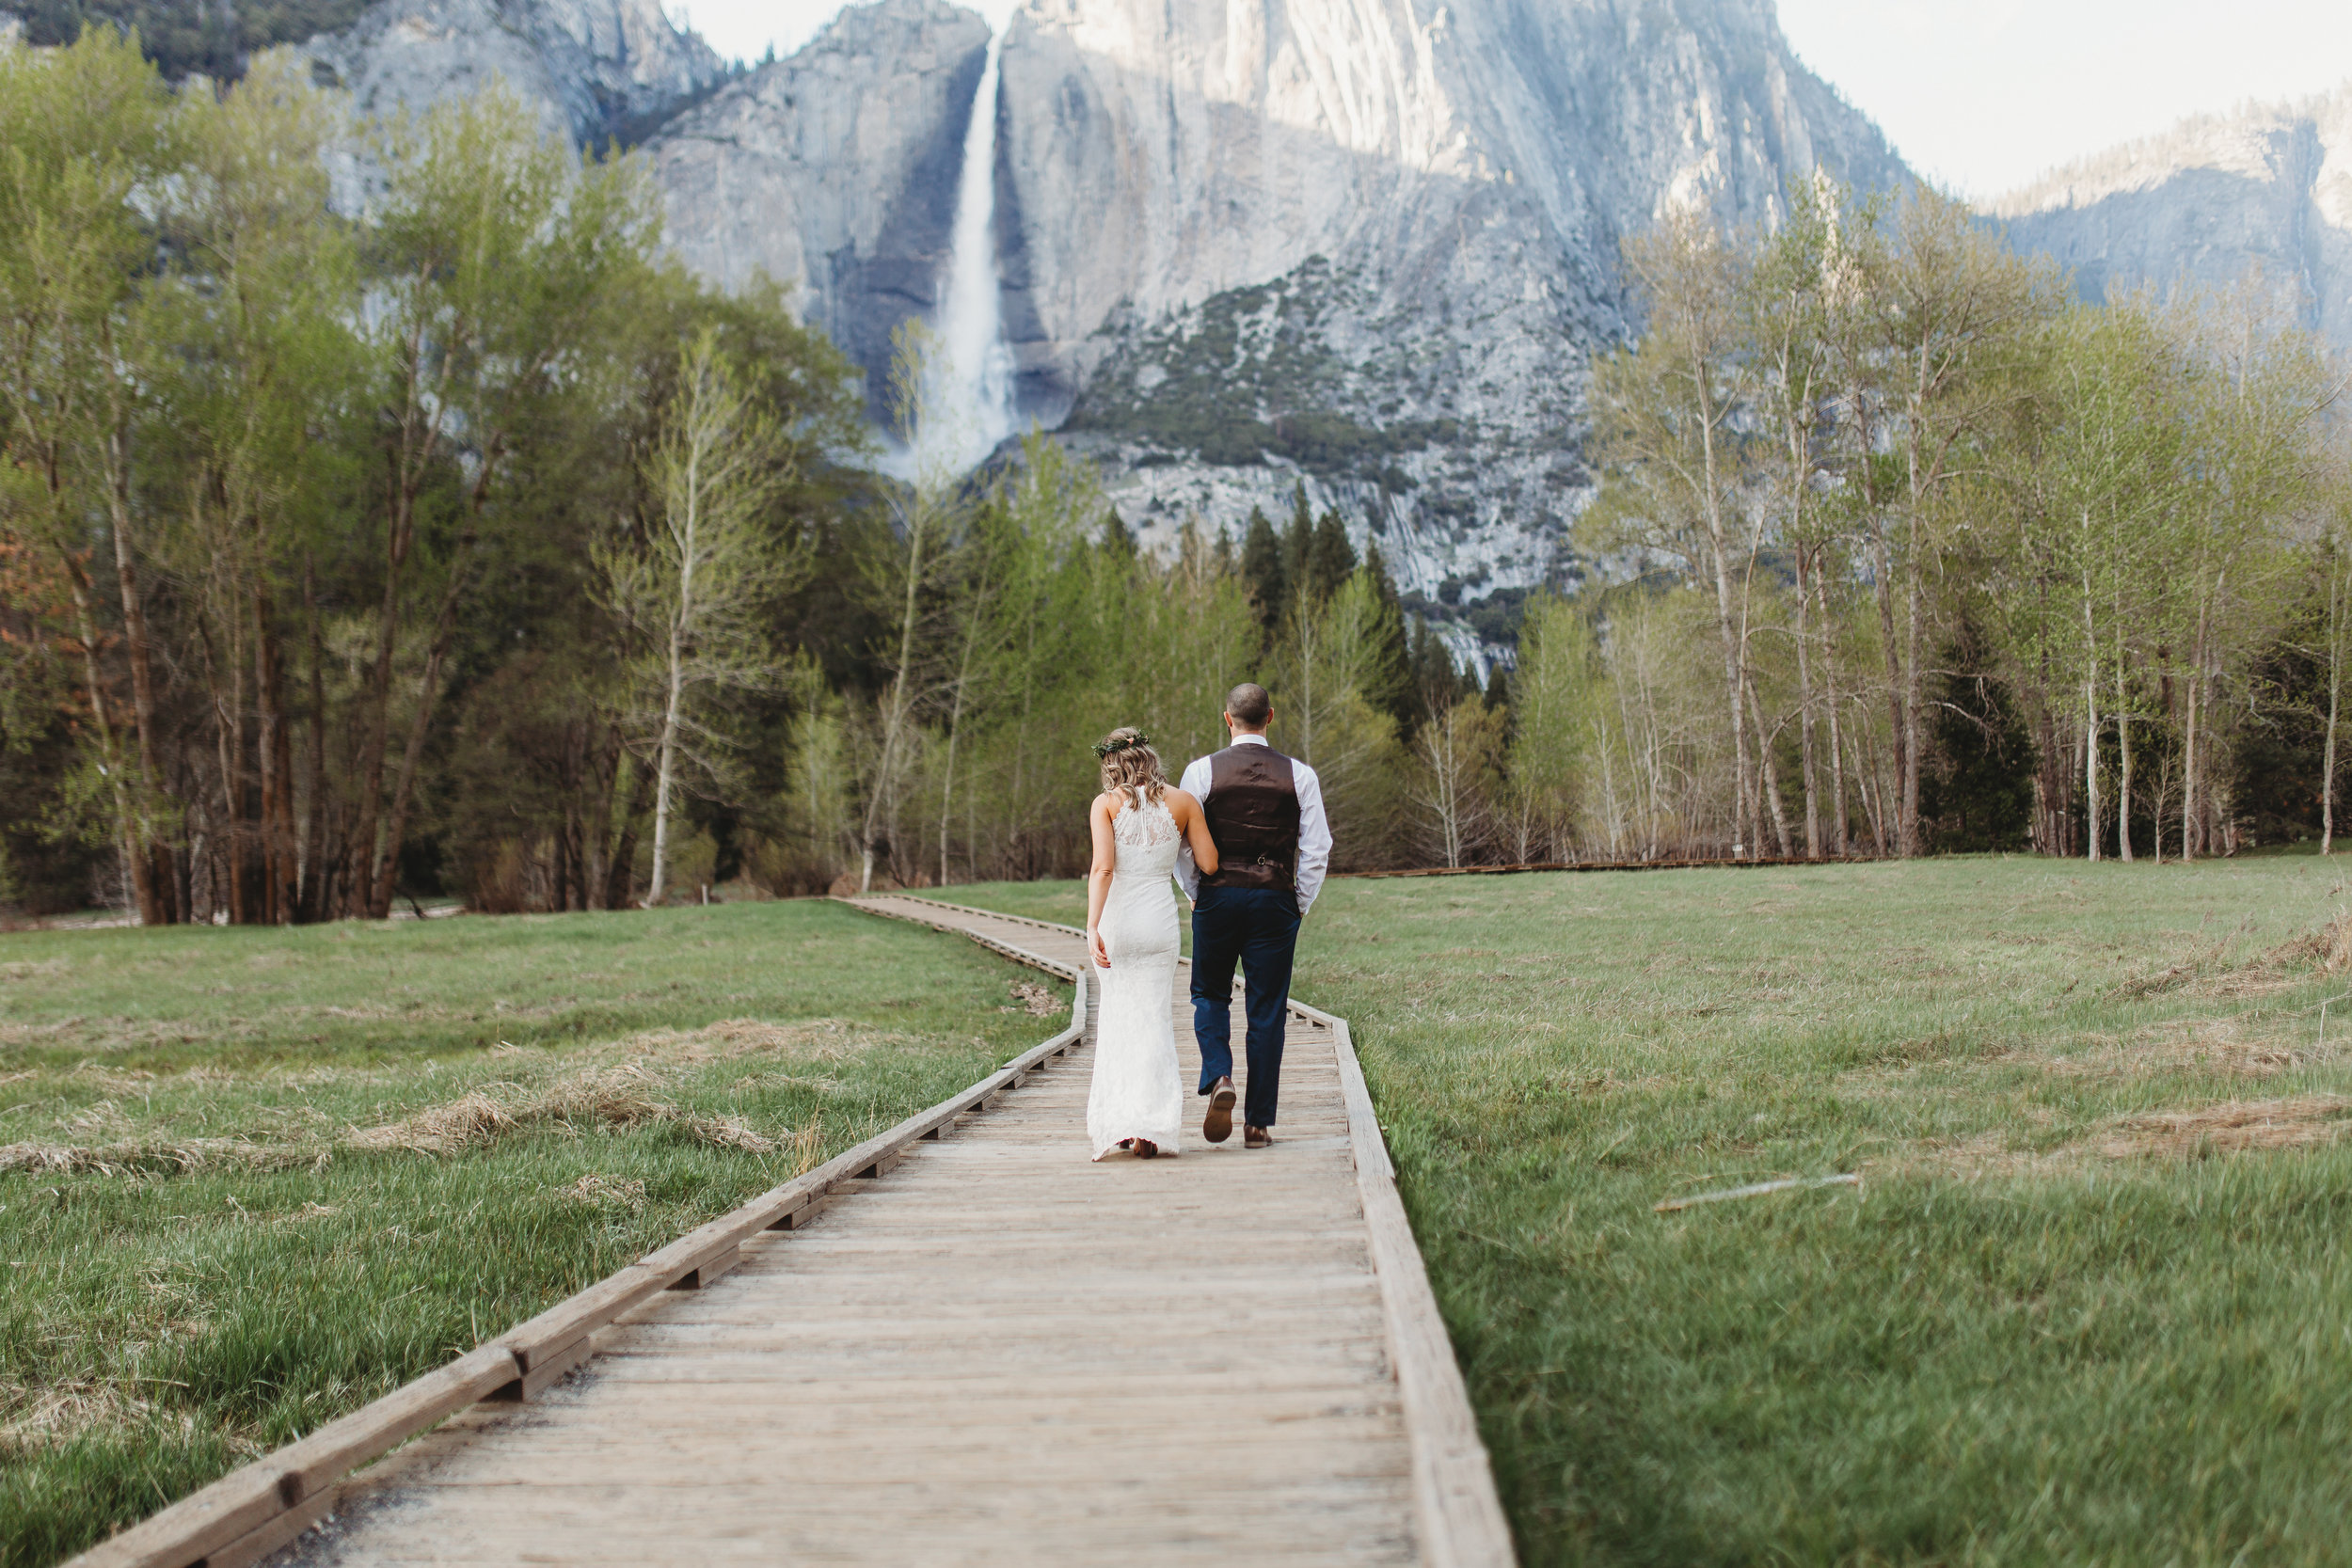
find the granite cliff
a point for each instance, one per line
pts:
(2267, 188)
(602, 70)
(1365, 246)
(1242, 246)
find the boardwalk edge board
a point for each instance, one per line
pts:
(1456, 1507)
(258, 1506)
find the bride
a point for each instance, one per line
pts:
(1137, 1099)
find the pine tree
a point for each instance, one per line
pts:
(1118, 539)
(1330, 559)
(1262, 574)
(1298, 542)
(1389, 680)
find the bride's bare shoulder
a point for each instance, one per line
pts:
(1180, 802)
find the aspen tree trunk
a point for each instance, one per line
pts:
(1915, 690)
(412, 756)
(666, 778)
(87, 634)
(2335, 702)
(1804, 713)
(1882, 568)
(1914, 700)
(2123, 783)
(317, 890)
(895, 711)
(1839, 841)
(1769, 774)
(151, 877)
(275, 759)
(2091, 762)
(1870, 786)
(947, 783)
(672, 708)
(1735, 662)
(2189, 845)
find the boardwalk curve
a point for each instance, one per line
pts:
(994, 1352)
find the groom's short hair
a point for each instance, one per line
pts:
(1249, 705)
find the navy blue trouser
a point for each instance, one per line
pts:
(1259, 926)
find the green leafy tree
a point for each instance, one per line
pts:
(503, 259)
(86, 139)
(709, 564)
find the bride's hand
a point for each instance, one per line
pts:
(1094, 945)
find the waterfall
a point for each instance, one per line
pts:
(968, 393)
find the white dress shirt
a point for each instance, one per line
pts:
(1314, 829)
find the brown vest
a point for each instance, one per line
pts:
(1252, 812)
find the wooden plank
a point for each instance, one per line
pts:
(252, 1547)
(1456, 1504)
(711, 1269)
(547, 1374)
(247, 1499)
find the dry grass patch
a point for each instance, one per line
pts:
(2231, 1046)
(819, 1039)
(602, 1191)
(595, 1097)
(1036, 1000)
(2236, 1127)
(2233, 1127)
(157, 1156)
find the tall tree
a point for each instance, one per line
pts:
(1957, 321)
(86, 138)
(503, 256)
(1668, 416)
(260, 393)
(710, 566)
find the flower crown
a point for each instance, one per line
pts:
(1109, 748)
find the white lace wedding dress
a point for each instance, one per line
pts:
(1137, 1092)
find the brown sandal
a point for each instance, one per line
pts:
(1145, 1149)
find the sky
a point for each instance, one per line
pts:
(1982, 95)
(1979, 95)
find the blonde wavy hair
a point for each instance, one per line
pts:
(1129, 766)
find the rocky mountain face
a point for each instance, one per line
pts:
(1362, 246)
(1250, 243)
(2215, 198)
(602, 68)
(834, 171)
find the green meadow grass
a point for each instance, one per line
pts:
(252, 1179)
(2091, 1304)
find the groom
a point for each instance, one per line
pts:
(1264, 812)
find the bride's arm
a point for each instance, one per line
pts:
(1195, 822)
(1098, 879)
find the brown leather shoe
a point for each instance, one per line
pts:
(1256, 1137)
(1218, 1125)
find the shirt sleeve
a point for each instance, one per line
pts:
(1196, 783)
(1314, 835)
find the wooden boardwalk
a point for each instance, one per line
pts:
(998, 1352)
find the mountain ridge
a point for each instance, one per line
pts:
(2264, 187)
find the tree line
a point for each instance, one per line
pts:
(384, 516)
(322, 518)
(1952, 538)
